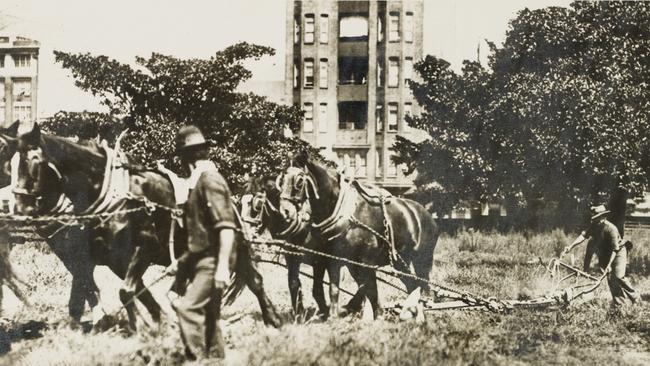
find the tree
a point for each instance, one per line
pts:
(246, 132)
(560, 116)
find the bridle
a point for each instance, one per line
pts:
(297, 189)
(293, 228)
(34, 164)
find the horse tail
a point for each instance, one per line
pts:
(238, 279)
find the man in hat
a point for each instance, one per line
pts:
(210, 223)
(612, 255)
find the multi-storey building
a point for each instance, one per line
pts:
(347, 66)
(18, 80)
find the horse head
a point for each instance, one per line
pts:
(40, 184)
(265, 206)
(296, 186)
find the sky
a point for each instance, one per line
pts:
(124, 29)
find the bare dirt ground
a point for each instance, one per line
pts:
(488, 264)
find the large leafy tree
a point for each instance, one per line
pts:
(561, 114)
(246, 132)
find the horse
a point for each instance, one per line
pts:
(134, 237)
(63, 243)
(361, 226)
(264, 207)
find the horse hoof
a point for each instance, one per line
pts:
(105, 323)
(274, 321)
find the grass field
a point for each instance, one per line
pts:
(488, 264)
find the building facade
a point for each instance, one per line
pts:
(347, 66)
(18, 80)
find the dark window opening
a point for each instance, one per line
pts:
(353, 115)
(353, 70)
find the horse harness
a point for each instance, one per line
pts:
(342, 218)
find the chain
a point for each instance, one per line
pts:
(442, 290)
(80, 220)
(385, 238)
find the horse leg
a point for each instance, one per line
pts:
(74, 252)
(370, 277)
(334, 273)
(133, 282)
(295, 287)
(356, 302)
(317, 290)
(255, 283)
(422, 264)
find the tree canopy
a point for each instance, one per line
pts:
(246, 132)
(560, 114)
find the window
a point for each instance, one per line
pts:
(393, 26)
(392, 168)
(380, 72)
(379, 118)
(392, 116)
(408, 110)
(296, 30)
(22, 60)
(361, 170)
(345, 163)
(353, 27)
(22, 88)
(309, 28)
(308, 122)
(353, 70)
(380, 28)
(322, 74)
(22, 112)
(393, 72)
(322, 118)
(353, 162)
(353, 115)
(408, 27)
(324, 28)
(2, 60)
(296, 76)
(309, 73)
(379, 163)
(408, 69)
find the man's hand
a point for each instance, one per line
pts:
(172, 269)
(565, 251)
(221, 278)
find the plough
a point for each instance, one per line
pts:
(560, 298)
(462, 300)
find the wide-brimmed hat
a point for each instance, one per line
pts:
(189, 136)
(598, 211)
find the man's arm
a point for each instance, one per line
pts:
(579, 240)
(222, 218)
(226, 246)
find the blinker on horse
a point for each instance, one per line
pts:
(128, 243)
(361, 226)
(295, 231)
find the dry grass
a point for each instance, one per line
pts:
(501, 265)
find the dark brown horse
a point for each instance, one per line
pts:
(128, 243)
(65, 244)
(354, 224)
(297, 231)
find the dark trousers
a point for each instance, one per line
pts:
(199, 310)
(620, 286)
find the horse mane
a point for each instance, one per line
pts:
(86, 155)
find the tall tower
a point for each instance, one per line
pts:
(347, 66)
(18, 80)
